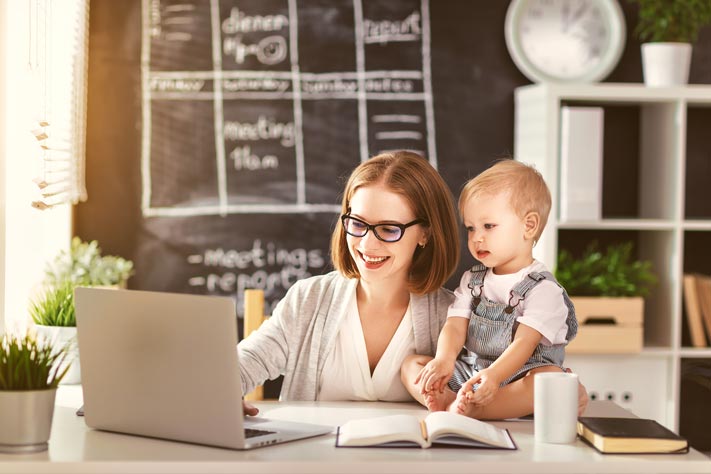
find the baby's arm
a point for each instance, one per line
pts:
(436, 373)
(512, 359)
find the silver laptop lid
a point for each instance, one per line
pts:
(161, 365)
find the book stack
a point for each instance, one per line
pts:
(697, 304)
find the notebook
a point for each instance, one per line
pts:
(165, 365)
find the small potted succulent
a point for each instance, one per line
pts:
(30, 370)
(667, 29)
(607, 289)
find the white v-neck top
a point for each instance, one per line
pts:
(346, 372)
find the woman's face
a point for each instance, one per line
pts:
(379, 261)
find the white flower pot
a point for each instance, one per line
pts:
(61, 336)
(25, 420)
(666, 64)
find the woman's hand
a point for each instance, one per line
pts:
(249, 409)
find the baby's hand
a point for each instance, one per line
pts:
(486, 390)
(434, 375)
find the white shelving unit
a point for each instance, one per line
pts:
(648, 382)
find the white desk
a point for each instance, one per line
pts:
(73, 448)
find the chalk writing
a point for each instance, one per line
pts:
(383, 31)
(263, 129)
(238, 22)
(265, 266)
(270, 50)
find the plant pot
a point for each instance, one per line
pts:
(60, 336)
(666, 64)
(26, 420)
(608, 325)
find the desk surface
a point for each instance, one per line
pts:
(74, 448)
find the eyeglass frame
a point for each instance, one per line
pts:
(369, 227)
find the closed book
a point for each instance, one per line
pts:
(703, 292)
(438, 428)
(630, 435)
(692, 305)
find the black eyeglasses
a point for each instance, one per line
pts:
(385, 232)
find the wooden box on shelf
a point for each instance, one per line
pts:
(608, 325)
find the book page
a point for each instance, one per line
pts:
(442, 423)
(385, 429)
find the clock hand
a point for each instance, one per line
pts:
(579, 13)
(565, 11)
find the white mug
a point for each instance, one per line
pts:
(555, 407)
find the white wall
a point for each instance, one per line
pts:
(28, 237)
(3, 98)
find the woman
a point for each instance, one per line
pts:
(344, 335)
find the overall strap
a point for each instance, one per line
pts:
(521, 289)
(476, 283)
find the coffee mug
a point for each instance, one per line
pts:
(555, 407)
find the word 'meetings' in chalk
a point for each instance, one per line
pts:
(264, 266)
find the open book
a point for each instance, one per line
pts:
(438, 428)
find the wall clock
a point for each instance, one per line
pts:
(565, 40)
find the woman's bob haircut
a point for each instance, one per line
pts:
(412, 177)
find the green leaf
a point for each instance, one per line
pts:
(612, 273)
(672, 20)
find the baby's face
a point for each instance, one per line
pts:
(496, 235)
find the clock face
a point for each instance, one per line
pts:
(565, 40)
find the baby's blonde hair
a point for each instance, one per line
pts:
(527, 190)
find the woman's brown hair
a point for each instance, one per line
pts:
(411, 176)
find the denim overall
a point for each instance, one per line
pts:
(492, 326)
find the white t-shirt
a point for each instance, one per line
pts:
(346, 372)
(543, 308)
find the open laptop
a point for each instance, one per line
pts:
(165, 365)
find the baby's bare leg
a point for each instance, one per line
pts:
(512, 401)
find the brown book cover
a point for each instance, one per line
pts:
(703, 289)
(630, 435)
(693, 311)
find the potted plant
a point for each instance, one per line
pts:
(29, 374)
(53, 310)
(83, 265)
(54, 317)
(667, 28)
(607, 289)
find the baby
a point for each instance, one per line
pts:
(510, 314)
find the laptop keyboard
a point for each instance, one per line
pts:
(251, 433)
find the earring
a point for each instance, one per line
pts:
(423, 245)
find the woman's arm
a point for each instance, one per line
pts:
(264, 354)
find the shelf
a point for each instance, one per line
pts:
(621, 224)
(623, 92)
(695, 352)
(654, 193)
(696, 225)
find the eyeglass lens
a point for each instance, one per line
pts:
(384, 232)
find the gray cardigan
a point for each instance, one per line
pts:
(301, 333)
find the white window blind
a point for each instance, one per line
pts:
(58, 61)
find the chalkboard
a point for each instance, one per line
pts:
(220, 133)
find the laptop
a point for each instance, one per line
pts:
(165, 365)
